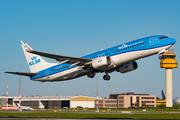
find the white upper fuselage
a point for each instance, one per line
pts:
(119, 55)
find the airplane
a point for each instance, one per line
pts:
(120, 58)
(176, 101)
(24, 107)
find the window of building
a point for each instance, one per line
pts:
(121, 97)
(121, 105)
(137, 99)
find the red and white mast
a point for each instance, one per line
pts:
(97, 94)
(7, 93)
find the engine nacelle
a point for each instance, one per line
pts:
(101, 63)
(127, 67)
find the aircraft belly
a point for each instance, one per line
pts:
(156, 50)
(71, 74)
(124, 58)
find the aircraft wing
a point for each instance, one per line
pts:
(62, 59)
(23, 73)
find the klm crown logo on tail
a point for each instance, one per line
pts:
(34, 61)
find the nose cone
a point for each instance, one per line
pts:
(171, 40)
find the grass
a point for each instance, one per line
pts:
(80, 115)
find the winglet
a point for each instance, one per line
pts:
(26, 46)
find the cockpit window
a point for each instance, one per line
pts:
(163, 37)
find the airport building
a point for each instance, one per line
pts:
(50, 101)
(126, 100)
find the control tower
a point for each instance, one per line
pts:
(168, 61)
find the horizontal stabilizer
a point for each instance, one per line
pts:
(23, 73)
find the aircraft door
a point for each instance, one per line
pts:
(151, 41)
(47, 73)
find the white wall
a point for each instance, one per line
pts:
(84, 104)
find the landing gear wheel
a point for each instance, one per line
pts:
(160, 57)
(106, 77)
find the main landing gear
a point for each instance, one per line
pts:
(106, 77)
(91, 75)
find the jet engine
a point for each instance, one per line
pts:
(127, 67)
(101, 63)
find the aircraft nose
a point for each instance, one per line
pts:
(172, 40)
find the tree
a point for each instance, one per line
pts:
(136, 104)
(144, 104)
(162, 105)
(157, 98)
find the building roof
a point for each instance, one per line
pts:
(114, 96)
(82, 98)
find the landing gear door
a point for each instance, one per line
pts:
(151, 41)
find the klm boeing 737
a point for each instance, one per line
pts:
(120, 58)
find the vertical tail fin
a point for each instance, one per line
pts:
(163, 96)
(35, 62)
(18, 105)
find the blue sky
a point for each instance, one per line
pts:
(80, 27)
